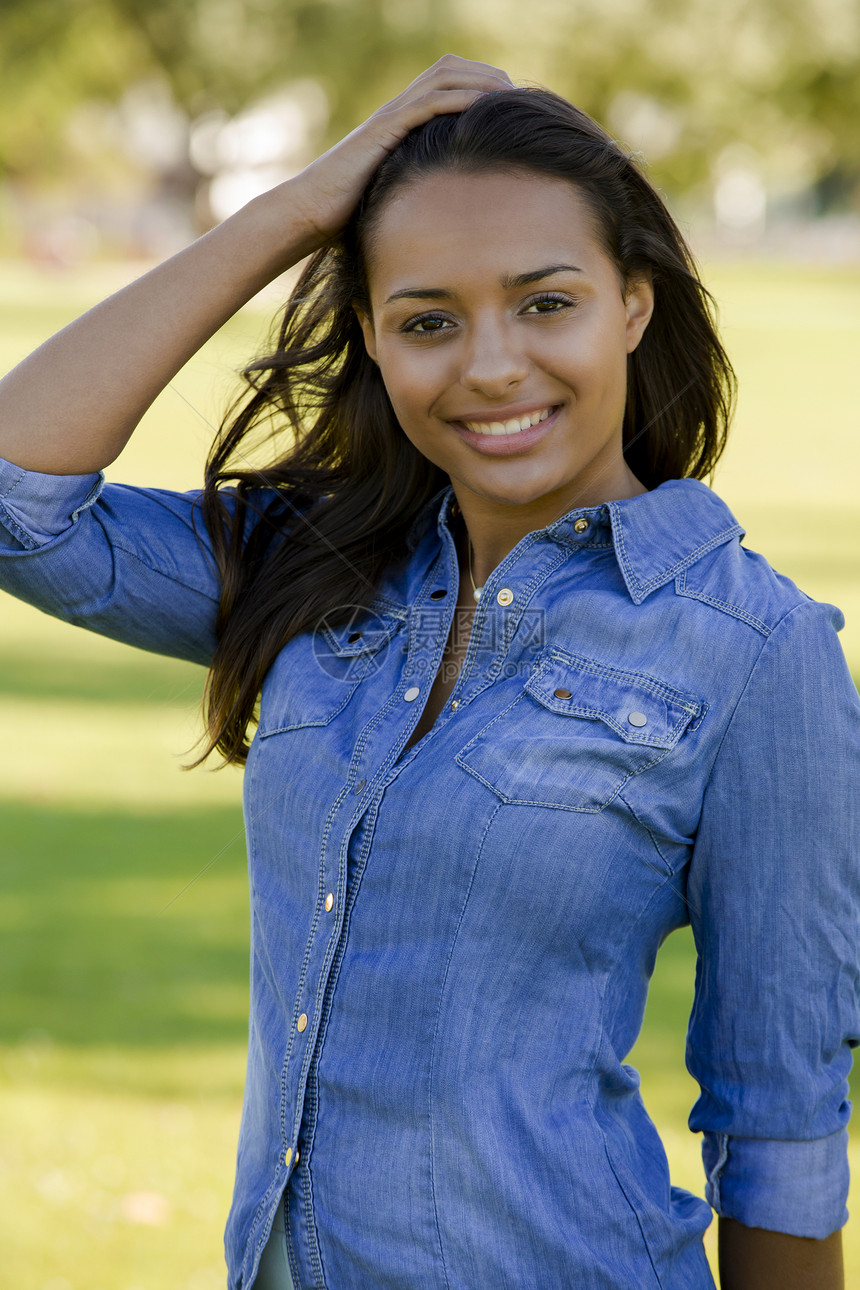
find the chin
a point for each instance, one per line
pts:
(518, 491)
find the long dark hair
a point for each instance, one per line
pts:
(299, 538)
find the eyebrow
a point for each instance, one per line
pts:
(510, 282)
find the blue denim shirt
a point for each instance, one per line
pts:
(451, 944)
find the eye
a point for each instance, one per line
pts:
(425, 325)
(550, 304)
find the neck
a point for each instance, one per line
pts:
(494, 530)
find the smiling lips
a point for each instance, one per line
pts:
(512, 426)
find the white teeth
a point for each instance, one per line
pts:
(514, 426)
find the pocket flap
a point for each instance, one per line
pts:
(364, 633)
(639, 708)
(316, 673)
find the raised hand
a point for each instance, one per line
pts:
(327, 192)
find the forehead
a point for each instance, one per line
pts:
(449, 227)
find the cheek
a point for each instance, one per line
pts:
(414, 383)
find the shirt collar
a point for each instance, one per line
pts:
(655, 536)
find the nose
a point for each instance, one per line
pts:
(493, 360)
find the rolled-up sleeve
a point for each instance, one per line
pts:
(35, 508)
(774, 894)
(135, 564)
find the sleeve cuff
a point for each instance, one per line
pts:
(795, 1187)
(35, 508)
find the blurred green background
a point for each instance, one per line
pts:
(127, 127)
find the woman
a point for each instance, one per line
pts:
(525, 706)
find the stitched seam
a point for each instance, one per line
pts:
(327, 958)
(641, 680)
(15, 482)
(740, 698)
(719, 539)
(735, 611)
(312, 1241)
(273, 1186)
(629, 737)
(324, 721)
(291, 1253)
(561, 806)
(714, 1175)
(26, 539)
(643, 588)
(91, 497)
(632, 1207)
(331, 976)
(512, 620)
(669, 870)
(436, 1034)
(361, 651)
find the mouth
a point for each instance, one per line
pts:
(510, 426)
(510, 436)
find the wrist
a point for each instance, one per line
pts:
(281, 223)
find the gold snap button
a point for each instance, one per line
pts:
(288, 1156)
(298, 1155)
(302, 1021)
(562, 694)
(505, 596)
(580, 526)
(329, 903)
(455, 703)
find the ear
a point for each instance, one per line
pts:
(366, 325)
(639, 306)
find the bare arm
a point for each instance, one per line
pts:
(72, 405)
(754, 1259)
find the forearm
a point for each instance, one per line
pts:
(754, 1259)
(71, 406)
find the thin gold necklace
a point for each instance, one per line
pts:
(476, 591)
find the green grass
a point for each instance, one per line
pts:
(123, 892)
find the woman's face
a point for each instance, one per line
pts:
(502, 332)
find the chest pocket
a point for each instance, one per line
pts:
(578, 732)
(316, 674)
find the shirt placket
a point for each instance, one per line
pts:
(356, 806)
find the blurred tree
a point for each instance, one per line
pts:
(679, 79)
(53, 55)
(221, 53)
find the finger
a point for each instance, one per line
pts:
(448, 79)
(443, 72)
(395, 124)
(453, 60)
